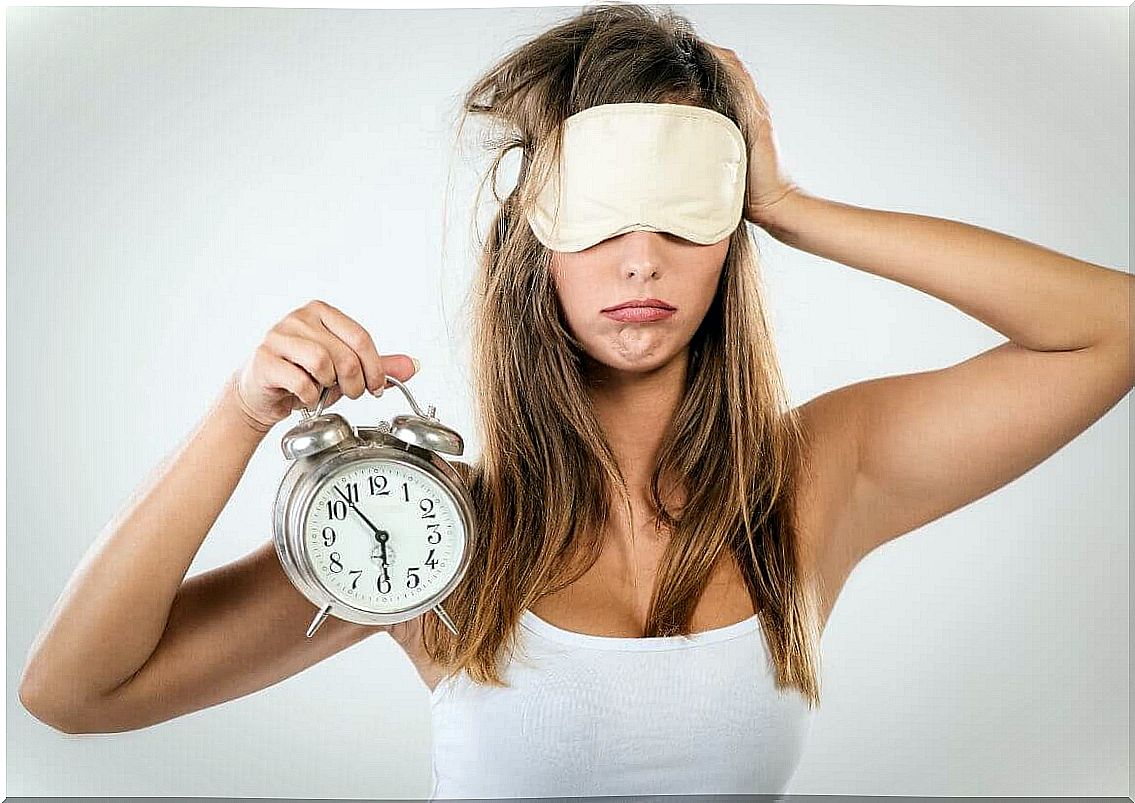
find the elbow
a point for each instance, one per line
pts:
(57, 712)
(39, 705)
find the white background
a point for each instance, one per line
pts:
(180, 178)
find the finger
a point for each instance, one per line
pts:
(363, 364)
(333, 395)
(399, 366)
(309, 353)
(359, 340)
(285, 374)
(375, 366)
(347, 367)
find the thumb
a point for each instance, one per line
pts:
(399, 366)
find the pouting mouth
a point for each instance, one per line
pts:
(641, 302)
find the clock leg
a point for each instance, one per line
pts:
(318, 620)
(444, 617)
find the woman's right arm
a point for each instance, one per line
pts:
(128, 643)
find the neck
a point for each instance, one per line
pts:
(635, 408)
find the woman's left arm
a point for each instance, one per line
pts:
(928, 443)
(1040, 299)
(911, 448)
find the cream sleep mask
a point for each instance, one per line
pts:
(643, 166)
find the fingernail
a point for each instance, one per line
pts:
(417, 365)
(378, 393)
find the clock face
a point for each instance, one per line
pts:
(383, 536)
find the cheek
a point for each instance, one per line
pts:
(573, 290)
(577, 315)
(568, 294)
(706, 286)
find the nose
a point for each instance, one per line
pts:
(641, 253)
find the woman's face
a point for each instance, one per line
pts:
(637, 265)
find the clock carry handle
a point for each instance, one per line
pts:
(405, 391)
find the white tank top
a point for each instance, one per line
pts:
(602, 715)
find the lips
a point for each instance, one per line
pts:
(656, 303)
(638, 314)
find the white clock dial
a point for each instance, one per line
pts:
(383, 535)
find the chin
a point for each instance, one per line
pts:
(641, 362)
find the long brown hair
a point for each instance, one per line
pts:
(543, 482)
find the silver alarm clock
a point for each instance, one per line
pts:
(372, 524)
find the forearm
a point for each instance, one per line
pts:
(112, 613)
(1036, 297)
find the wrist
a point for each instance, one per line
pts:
(233, 406)
(776, 216)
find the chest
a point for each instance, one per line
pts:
(606, 716)
(613, 596)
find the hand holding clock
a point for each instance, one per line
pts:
(313, 347)
(303, 357)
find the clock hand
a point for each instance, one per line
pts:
(380, 535)
(355, 508)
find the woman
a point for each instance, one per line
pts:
(664, 537)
